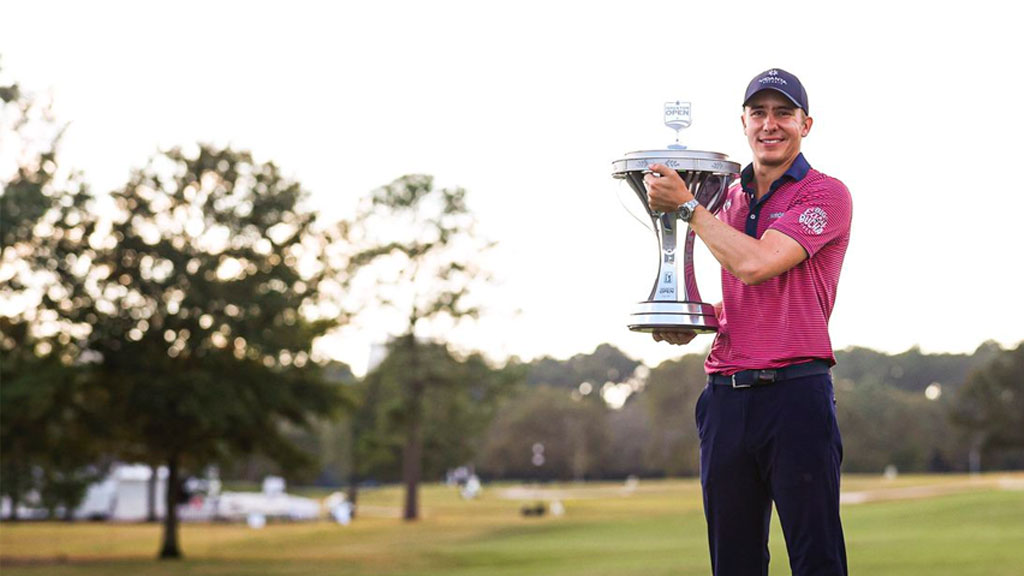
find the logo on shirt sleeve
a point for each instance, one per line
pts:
(813, 221)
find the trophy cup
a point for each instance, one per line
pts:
(675, 304)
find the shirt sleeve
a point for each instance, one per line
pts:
(820, 214)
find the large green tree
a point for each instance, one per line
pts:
(205, 308)
(52, 428)
(417, 246)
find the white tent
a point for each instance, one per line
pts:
(123, 494)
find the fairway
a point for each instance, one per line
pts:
(913, 525)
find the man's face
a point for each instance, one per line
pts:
(774, 127)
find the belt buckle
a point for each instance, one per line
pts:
(760, 377)
(737, 385)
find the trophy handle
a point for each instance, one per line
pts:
(690, 294)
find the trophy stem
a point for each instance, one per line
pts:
(666, 286)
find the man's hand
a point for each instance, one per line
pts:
(677, 337)
(665, 189)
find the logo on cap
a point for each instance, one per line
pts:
(773, 78)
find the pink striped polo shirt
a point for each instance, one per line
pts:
(784, 320)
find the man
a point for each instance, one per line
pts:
(766, 419)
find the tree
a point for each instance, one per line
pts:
(605, 364)
(546, 433)
(884, 425)
(461, 393)
(670, 397)
(204, 310)
(910, 371)
(416, 246)
(990, 407)
(630, 436)
(52, 428)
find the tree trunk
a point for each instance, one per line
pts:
(13, 517)
(15, 481)
(151, 493)
(353, 464)
(353, 495)
(412, 456)
(170, 548)
(15, 497)
(974, 456)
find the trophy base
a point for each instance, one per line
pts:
(662, 316)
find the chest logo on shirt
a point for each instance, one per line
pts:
(813, 221)
(776, 215)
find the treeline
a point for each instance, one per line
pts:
(913, 411)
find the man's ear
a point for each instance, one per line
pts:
(808, 122)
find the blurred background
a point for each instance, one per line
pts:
(271, 268)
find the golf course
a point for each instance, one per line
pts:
(926, 525)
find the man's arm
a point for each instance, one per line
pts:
(751, 260)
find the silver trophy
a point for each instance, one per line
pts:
(675, 304)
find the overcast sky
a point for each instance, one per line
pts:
(526, 104)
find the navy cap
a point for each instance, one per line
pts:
(781, 81)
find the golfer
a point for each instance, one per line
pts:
(766, 419)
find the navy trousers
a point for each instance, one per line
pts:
(773, 443)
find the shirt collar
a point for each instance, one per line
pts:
(795, 173)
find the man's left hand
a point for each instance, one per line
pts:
(666, 189)
(677, 337)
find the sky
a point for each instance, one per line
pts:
(526, 104)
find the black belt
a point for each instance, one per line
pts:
(749, 378)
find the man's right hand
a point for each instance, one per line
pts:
(676, 337)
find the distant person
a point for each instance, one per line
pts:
(766, 418)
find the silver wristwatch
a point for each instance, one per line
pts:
(687, 209)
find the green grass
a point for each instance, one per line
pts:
(966, 528)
